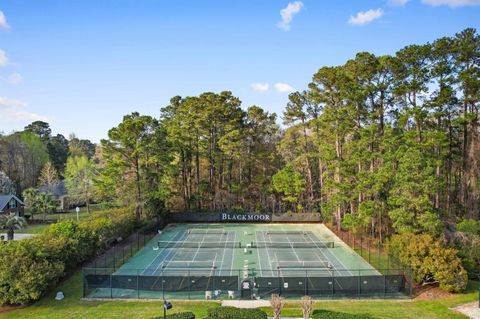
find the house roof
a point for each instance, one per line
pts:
(4, 199)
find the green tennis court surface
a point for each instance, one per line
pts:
(197, 261)
(264, 249)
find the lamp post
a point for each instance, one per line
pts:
(166, 305)
(77, 209)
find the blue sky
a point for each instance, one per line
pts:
(81, 65)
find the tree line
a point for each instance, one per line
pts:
(381, 143)
(40, 167)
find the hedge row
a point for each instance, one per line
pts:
(235, 313)
(29, 267)
(180, 315)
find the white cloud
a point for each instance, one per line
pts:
(17, 110)
(15, 78)
(363, 18)
(452, 3)
(260, 87)
(3, 22)
(283, 88)
(3, 58)
(397, 2)
(288, 13)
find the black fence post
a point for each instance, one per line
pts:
(163, 288)
(385, 283)
(380, 255)
(279, 283)
(138, 286)
(213, 283)
(83, 278)
(111, 289)
(189, 283)
(306, 283)
(359, 292)
(332, 290)
(361, 246)
(368, 245)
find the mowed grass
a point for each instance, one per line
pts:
(73, 307)
(52, 218)
(32, 229)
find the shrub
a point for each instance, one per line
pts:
(30, 266)
(235, 313)
(27, 268)
(180, 315)
(429, 260)
(469, 226)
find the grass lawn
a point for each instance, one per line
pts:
(71, 214)
(32, 229)
(73, 307)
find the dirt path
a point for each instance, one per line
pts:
(469, 309)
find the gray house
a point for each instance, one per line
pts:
(11, 204)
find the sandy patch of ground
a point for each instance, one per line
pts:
(433, 293)
(469, 309)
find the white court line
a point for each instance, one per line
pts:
(268, 254)
(198, 249)
(233, 252)
(343, 265)
(224, 252)
(159, 253)
(293, 249)
(258, 253)
(182, 239)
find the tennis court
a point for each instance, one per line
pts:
(197, 261)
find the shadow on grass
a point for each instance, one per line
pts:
(327, 314)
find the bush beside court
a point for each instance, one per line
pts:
(235, 313)
(430, 261)
(29, 267)
(180, 315)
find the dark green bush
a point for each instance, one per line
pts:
(325, 314)
(30, 266)
(235, 313)
(180, 315)
(27, 268)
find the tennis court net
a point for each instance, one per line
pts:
(302, 264)
(207, 231)
(287, 244)
(201, 244)
(181, 264)
(285, 232)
